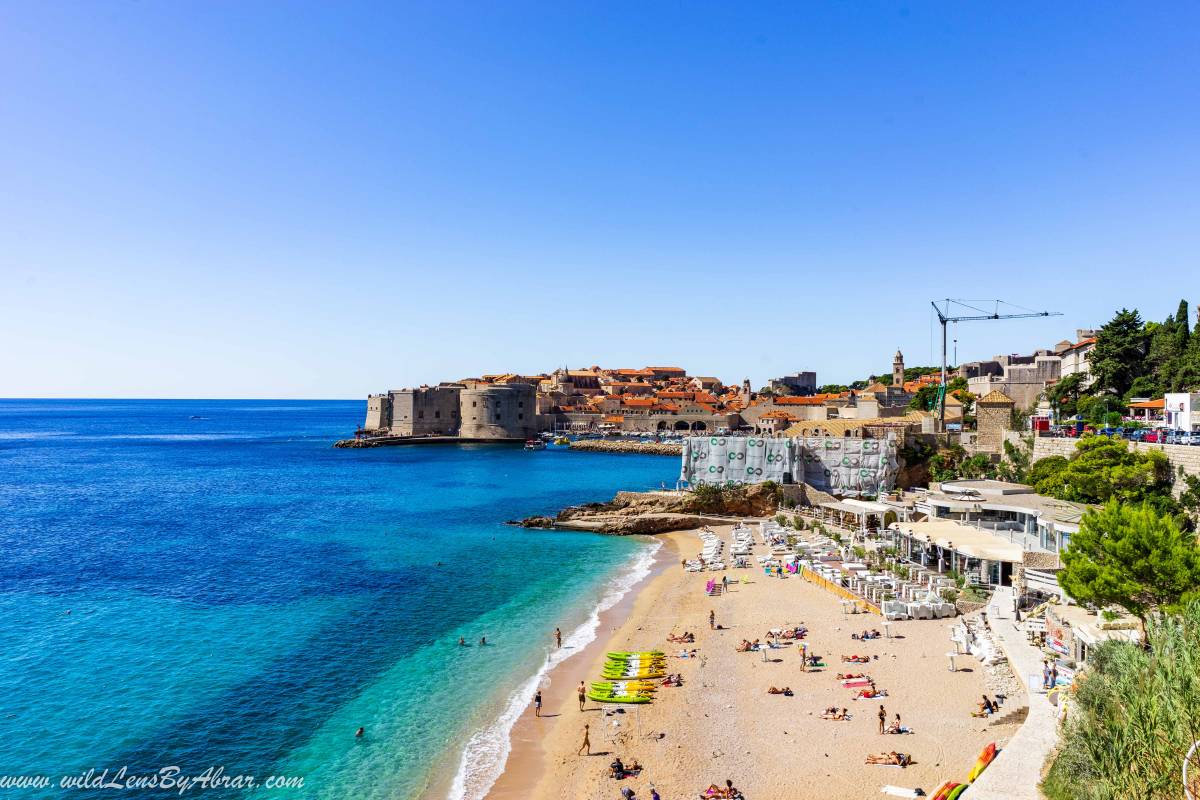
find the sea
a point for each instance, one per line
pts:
(205, 598)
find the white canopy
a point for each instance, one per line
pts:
(965, 539)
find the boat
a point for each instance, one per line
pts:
(535, 444)
(562, 441)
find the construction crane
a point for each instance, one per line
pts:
(945, 316)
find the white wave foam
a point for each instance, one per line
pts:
(487, 751)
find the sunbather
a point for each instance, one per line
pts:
(857, 659)
(787, 690)
(871, 693)
(849, 676)
(892, 759)
(745, 646)
(835, 713)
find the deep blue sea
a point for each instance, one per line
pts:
(233, 592)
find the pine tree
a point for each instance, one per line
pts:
(1119, 356)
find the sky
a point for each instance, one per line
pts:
(321, 200)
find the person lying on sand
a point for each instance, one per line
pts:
(866, 635)
(787, 690)
(872, 692)
(892, 759)
(685, 638)
(673, 680)
(857, 659)
(722, 791)
(849, 676)
(834, 713)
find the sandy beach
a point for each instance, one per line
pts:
(721, 724)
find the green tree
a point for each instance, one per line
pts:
(832, 388)
(1064, 395)
(1104, 468)
(1134, 714)
(1134, 557)
(1044, 468)
(1015, 466)
(1119, 356)
(1168, 347)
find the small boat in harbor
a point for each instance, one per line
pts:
(535, 444)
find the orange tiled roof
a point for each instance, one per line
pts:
(615, 419)
(665, 407)
(680, 370)
(638, 402)
(675, 395)
(816, 400)
(704, 397)
(778, 414)
(709, 408)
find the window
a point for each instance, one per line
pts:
(437, 415)
(520, 416)
(472, 406)
(420, 415)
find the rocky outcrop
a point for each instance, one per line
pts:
(658, 512)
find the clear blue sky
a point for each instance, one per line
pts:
(269, 199)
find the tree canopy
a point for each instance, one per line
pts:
(1134, 557)
(1104, 468)
(1120, 353)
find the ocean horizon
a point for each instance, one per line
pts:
(209, 584)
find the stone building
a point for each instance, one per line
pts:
(507, 411)
(993, 414)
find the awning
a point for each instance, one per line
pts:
(964, 539)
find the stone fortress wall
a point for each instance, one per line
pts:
(504, 411)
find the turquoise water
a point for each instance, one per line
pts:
(232, 592)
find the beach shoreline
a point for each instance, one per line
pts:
(723, 724)
(525, 765)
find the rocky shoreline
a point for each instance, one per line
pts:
(631, 513)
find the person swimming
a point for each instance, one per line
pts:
(482, 641)
(358, 734)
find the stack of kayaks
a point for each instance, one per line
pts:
(629, 677)
(951, 790)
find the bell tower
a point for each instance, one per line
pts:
(898, 370)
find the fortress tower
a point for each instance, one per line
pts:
(502, 411)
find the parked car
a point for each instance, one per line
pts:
(1151, 436)
(1109, 431)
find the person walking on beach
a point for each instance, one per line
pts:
(712, 619)
(882, 718)
(582, 695)
(558, 637)
(537, 703)
(587, 743)
(724, 584)
(803, 657)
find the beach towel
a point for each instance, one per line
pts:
(900, 791)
